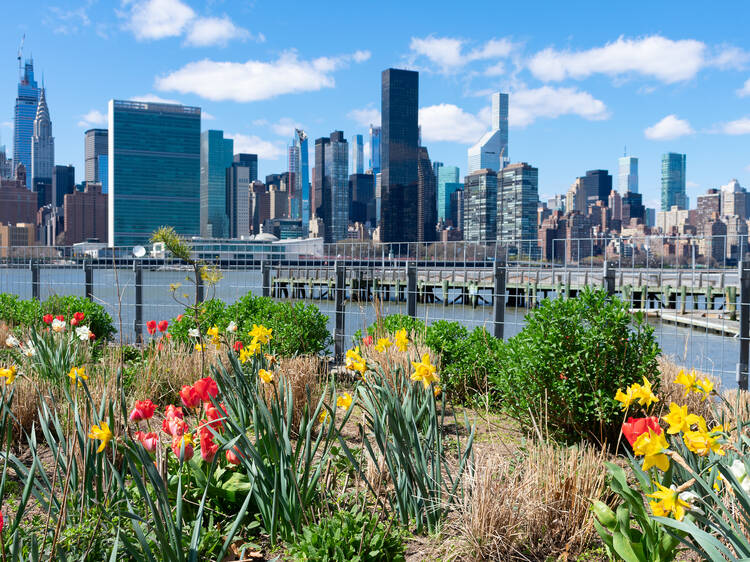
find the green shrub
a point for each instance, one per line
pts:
(564, 368)
(18, 312)
(348, 536)
(298, 329)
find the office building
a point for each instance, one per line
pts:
(517, 202)
(447, 180)
(6, 164)
(673, 193)
(427, 199)
(154, 170)
(597, 184)
(42, 152)
(17, 203)
(299, 178)
(216, 156)
(436, 169)
(283, 228)
(86, 215)
(25, 114)
(358, 156)
(335, 197)
(361, 198)
(627, 174)
(615, 205)
(375, 149)
(63, 182)
(491, 151)
(238, 193)
(457, 208)
(96, 144)
(632, 208)
(399, 155)
(321, 146)
(480, 200)
(15, 237)
(734, 200)
(103, 171)
(260, 205)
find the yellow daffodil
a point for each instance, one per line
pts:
(687, 380)
(355, 362)
(102, 433)
(261, 333)
(245, 355)
(645, 395)
(402, 340)
(704, 386)
(679, 419)
(323, 416)
(344, 401)
(437, 390)
(703, 441)
(198, 347)
(213, 331)
(265, 376)
(253, 347)
(425, 371)
(78, 374)
(9, 373)
(651, 446)
(628, 397)
(669, 503)
(383, 345)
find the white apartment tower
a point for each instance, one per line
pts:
(491, 151)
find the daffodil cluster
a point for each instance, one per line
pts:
(691, 383)
(643, 394)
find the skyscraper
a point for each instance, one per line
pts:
(321, 145)
(95, 145)
(359, 155)
(426, 196)
(517, 202)
(336, 188)
(446, 175)
(6, 164)
(627, 177)
(154, 170)
(399, 154)
(63, 183)
(480, 206)
(361, 195)
(42, 151)
(23, 125)
(240, 174)
(299, 179)
(436, 168)
(597, 185)
(216, 157)
(673, 181)
(491, 151)
(375, 149)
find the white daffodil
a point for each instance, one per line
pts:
(194, 333)
(11, 341)
(690, 498)
(739, 471)
(58, 325)
(232, 328)
(83, 333)
(28, 350)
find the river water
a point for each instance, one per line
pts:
(692, 348)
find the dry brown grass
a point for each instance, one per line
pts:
(669, 392)
(532, 506)
(305, 376)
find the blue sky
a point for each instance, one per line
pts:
(586, 79)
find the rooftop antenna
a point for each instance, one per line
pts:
(20, 53)
(625, 150)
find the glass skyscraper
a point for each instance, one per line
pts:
(154, 170)
(243, 167)
(299, 179)
(480, 211)
(359, 155)
(95, 145)
(375, 149)
(491, 151)
(23, 125)
(673, 181)
(517, 203)
(336, 188)
(399, 154)
(216, 157)
(447, 183)
(102, 170)
(627, 177)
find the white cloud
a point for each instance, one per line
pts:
(67, 22)
(157, 19)
(255, 80)
(745, 90)
(654, 56)
(93, 118)
(448, 122)
(737, 127)
(448, 52)
(214, 31)
(207, 116)
(730, 57)
(527, 105)
(255, 145)
(671, 127)
(285, 126)
(153, 98)
(365, 116)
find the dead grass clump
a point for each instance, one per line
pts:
(534, 506)
(669, 392)
(305, 375)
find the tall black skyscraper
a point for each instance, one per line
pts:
(399, 155)
(321, 145)
(427, 198)
(598, 184)
(63, 183)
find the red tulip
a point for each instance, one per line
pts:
(151, 327)
(163, 325)
(215, 415)
(233, 457)
(634, 427)
(237, 346)
(174, 426)
(77, 318)
(149, 440)
(174, 412)
(143, 410)
(206, 388)
(189, 397)
(60, 317)
(208, 447)
(47, 318)
(367, 340)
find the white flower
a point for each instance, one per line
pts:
(58, 325)
(194, 333)
(738, 470)
(83, 333)
(690, 498)
(28, 350)
(11, 341)
(232, 327)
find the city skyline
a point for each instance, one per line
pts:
(603, 89)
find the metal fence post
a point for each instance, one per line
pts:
(608, 279)
(339, 330)
(88, 280)
(199, 286)
(411, 289)
(34, 267)
(138, 322)
(744, 279)
(498, 299)
(265, 273)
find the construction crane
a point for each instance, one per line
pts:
(20, 53)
